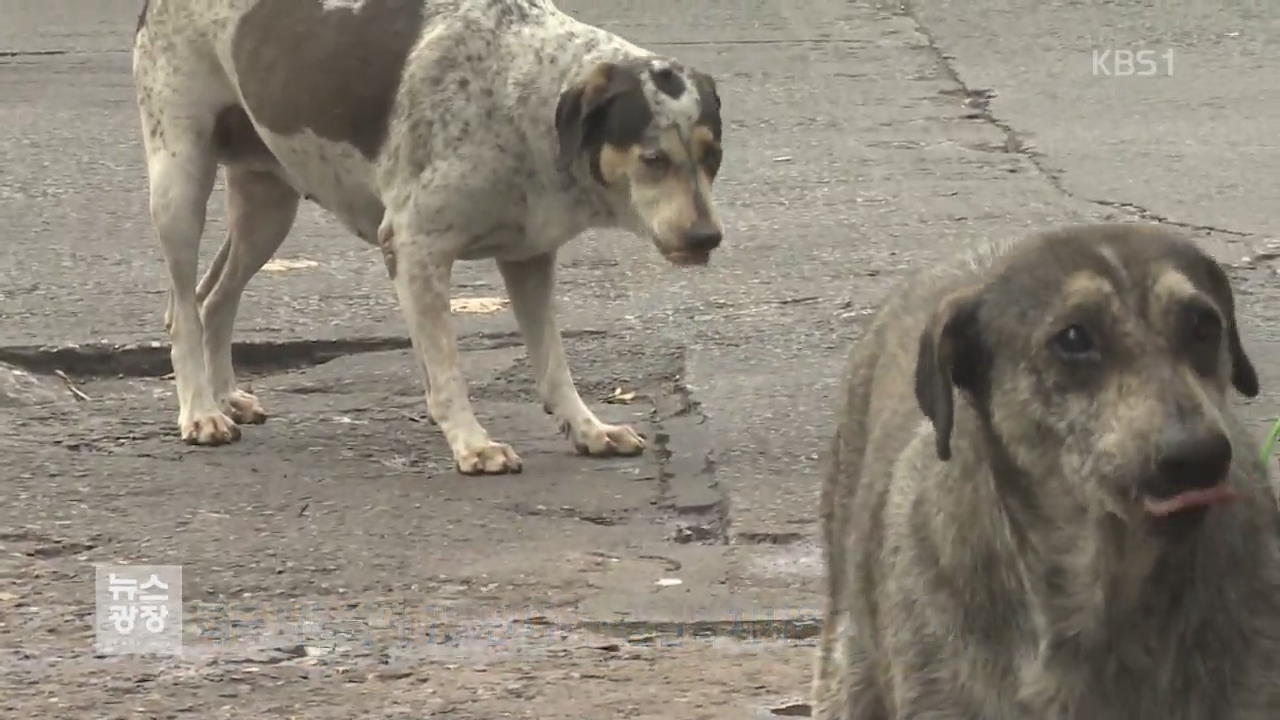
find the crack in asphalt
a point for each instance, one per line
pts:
(1146, 214)
(770, 538)
(803, 627)
(388, 624)
(607, 519)
(980, 100)
(676, 412)
(53, 53)
(31, 53)
(787, 41)
(356, 640)
(101, 360)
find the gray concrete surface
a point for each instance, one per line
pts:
(863, 139)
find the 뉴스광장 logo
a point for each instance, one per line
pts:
(138, 609)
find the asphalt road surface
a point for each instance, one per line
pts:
(334, 566)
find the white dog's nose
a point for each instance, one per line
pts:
(703, 237)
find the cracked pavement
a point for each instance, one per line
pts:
(334, 564)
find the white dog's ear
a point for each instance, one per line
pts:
(949, 355)
(710, 98)
(581, 110)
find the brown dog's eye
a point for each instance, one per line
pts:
(1075, 343)
(1204, 325)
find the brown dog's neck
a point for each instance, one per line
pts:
(1085, 576)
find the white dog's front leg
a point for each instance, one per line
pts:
(422, 279)
(529, 285)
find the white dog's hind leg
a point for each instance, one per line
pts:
(181, 169)
(206, 283)
(260, 211)
(179, 93)
(215, 270)
(422, 278)
(530, 284)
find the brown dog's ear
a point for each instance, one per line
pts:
(949, 355)
(1243, 376)
(580, 109)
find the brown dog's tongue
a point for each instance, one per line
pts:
(1192, 498)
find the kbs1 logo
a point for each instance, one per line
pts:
(1121, 62)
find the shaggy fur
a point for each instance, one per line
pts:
(1025, 511)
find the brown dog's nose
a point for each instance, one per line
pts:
(1192, 459)
(703, 237)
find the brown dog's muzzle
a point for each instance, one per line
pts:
(1191, 471)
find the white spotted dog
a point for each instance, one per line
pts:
(439, 130)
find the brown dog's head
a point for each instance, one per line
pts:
(1098, 359)
(649, 132)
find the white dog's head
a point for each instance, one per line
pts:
(650, 132)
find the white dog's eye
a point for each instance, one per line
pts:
(655, 159)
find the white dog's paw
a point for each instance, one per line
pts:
(209, 429)
(244, 408)
(607, 440)
(490, 459)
